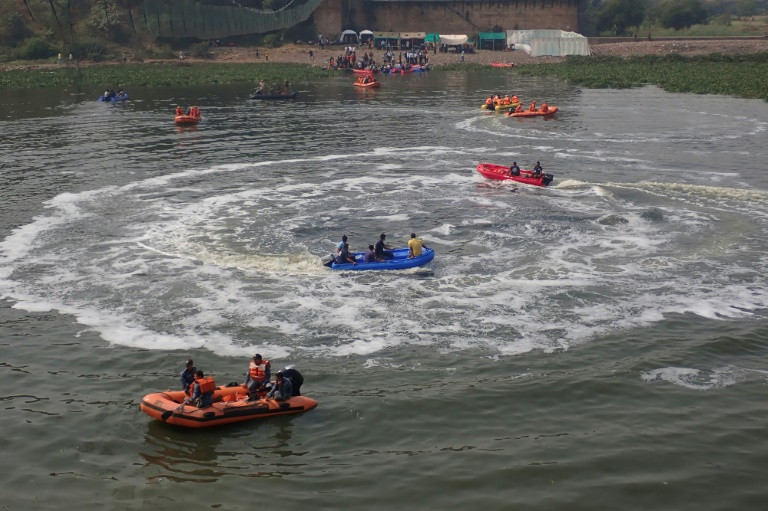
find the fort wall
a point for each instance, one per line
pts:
(446, 17)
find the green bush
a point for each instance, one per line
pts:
(200, 51)
(270, 40)
(92, 49)
(36, 48)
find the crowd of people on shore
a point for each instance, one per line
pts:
(200, 389)
(388, 61)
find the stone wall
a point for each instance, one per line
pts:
(328, 19)
(463, 17)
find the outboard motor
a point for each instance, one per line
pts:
(296, 379)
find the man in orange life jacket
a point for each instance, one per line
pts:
(258, 374)
(201, 391)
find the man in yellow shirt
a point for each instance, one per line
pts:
(414, 246)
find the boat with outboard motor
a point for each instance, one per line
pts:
(398, 261)
(231, 403)
(501, 173)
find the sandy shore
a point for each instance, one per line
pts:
(300, 53)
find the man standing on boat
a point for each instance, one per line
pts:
(258, 374)
(187, 376)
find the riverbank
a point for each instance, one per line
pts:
(728, 67)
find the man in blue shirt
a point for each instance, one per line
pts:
(187, 376)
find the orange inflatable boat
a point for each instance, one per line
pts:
(533, 113)
(230, 404)
(370, 83)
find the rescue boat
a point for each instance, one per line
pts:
(502, 108)
(502, 64)
(367, 85)
(230, 405)
(187, 119)
(501, 173)
(534, 113)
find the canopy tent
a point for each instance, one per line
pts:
(492, 40)
(548, 42)
(349, 36)
(365, 35)
(453, 39)
(412, 39)
(386, 39)
(432, 38)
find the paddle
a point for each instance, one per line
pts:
(167, 414)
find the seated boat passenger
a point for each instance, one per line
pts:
(370, 255)
(519, 109)
(514, 99)
(506, 100)
(532, 107)
(514, 170)
(544, 107)
(179, 111)
(344, 256)
(537, 170)
(201, 391)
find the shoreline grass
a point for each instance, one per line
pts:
(744, 76)
(158, 74)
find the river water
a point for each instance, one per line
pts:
(598, 344)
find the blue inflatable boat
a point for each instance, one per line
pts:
(399, 261)
(113, 99)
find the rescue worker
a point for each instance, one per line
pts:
(514, 99)
(283, 388)
(489, 103)
(187, 376)
(514, 170)
(519, 109)
(537, 170)
(544, 107)
(506, 100)
(258, 374)
(532, 108)
(201, 391)
(179, 111)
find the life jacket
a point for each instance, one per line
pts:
(532, 108)
(258, 372)
(207, 385)
(179, 111)
(514, 99)
(489, 101)
(544, 107)
(506, 100)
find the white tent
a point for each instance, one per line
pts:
(548, 42)
(349, 36)
(365, 35)
(453, 39)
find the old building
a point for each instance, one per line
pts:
(445, 16)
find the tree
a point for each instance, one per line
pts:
(620, 16)
(679, 14)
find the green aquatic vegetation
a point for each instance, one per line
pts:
(744, 76)
(162, 74)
